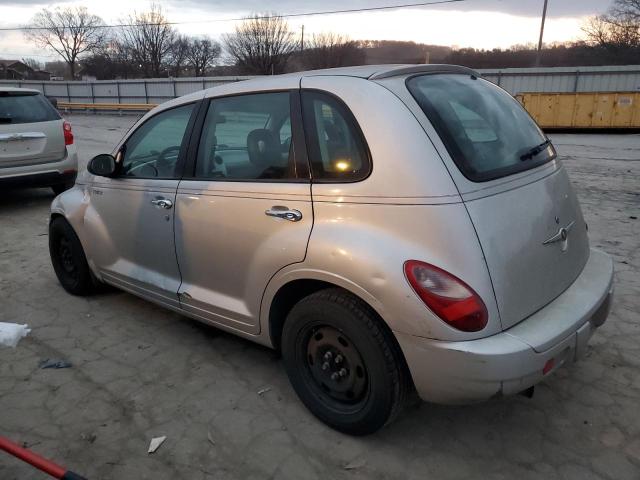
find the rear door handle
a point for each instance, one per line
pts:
(279, 211)
(162, 202)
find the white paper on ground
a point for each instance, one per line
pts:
(155, 443)
(11, 333)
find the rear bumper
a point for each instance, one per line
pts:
(45, 179)
(512, 361)
(44, 174)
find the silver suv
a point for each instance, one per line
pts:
(386, 228)
(36, 144)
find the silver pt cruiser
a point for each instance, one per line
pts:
(385, 227)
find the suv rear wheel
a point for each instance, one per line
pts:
(343, 363)
(68, 259)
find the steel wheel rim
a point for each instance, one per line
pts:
(65, 258)
(334, 366)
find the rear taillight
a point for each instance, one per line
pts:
(447, 296)
(68, 134)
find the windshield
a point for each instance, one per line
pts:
(26, 107)
(486, 131)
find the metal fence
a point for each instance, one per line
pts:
(121, 91)
(514, 80)
(566, 80)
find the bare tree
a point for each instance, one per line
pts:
(178, 54)
(149, 37)
(629, 9)
(69, 31)
(619, 28)
(597, 30)
(328, 50)
(261, 44)
(32, 63)
(113, 60)
(201, 54)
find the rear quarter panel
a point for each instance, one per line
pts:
(408, 208)
(367, 245)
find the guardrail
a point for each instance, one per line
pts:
(142, 91)
(106, 107)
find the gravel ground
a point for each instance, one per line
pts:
(140, 371)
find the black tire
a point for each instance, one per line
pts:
(68, 259)
(365, 346)
(61, 187)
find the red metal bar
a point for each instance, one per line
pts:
(48, 467)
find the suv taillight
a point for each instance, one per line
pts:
(447, 296)
(68, 134)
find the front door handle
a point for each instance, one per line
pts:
(279, 211)
(162, 202)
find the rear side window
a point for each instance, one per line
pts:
(486, 131)
(337, 150)
(27, 107)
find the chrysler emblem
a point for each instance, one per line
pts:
(561, 236)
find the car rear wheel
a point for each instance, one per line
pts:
(68, 259)
(343, 363)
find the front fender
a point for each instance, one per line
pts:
(72, 205)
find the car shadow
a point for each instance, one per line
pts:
(18, 198)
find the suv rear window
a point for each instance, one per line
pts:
(486, 131)
(26, 107)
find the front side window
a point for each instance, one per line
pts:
(152, 151)
(247, 137)
(486, 131)
(337, 151)
(26, 107)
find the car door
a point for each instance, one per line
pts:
(131, 217)
(246, 211)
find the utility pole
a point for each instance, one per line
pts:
(302, 39)
(544, 17)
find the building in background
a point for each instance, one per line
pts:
(17, 70)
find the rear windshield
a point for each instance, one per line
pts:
(486, 131)
(27, 107)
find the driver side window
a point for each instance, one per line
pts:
(152, 150)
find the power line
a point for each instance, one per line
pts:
(288, 15)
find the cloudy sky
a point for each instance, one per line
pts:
(468, 23)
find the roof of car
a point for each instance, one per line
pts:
(370, 72)
(376, 72)
(14, 89)
(291, 80)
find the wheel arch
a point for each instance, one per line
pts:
(289, 293)
(282, 294)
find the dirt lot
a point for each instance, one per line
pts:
(140, 371)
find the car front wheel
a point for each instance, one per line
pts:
(343, 363)
(68, 259)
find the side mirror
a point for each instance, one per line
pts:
(103, 165)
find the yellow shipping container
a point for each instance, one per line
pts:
(583, 110)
